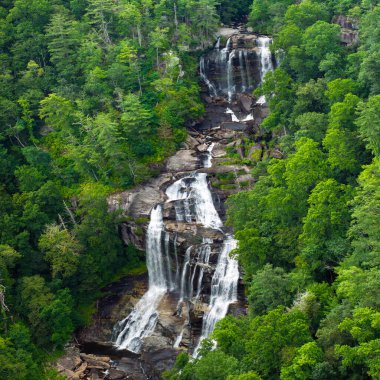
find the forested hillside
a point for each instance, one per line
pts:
(94, 95)
(309, 231)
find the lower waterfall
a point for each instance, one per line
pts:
(129, 332)
(223, 289)
(192, 201)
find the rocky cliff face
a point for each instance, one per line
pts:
(187, 233)
(350, 29)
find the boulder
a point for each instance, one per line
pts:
(245, 102)
(80, 370)
(227, 32)
(155, 362)
(69, 362)
(218, 151)
(234, 125)
(114, 374)
(276, 153)
(184, 160)
(139, 202)
(96, 362)
(202, 147)
(191, 142)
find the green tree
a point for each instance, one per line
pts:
(369, 123)
(57, 111)
(61, 250)
(365, 226)
(64, 39)
(100, 13)
(251, 375)
(230, 335)
(341, 140)
(58, 316)
(312, 125)
(364, 326)
(272, 337)
(323, 239)
(216, 365)
(305, 360)
(339, 88)
(270, 287)
(306, 14)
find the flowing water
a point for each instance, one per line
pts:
(129, 333)
(266, 63)
(230, 68)
(264, 43)
(223, 289)
(193, 200)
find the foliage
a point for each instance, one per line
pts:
(89, 94)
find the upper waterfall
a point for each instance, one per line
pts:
(238, 67)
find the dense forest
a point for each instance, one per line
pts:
(95, 94)
(309, 230)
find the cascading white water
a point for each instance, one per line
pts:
(203, 260)
(264, 43)
(229, 70)
(223, 290)
(143, 319)
(217, 45)
(266, 63)
(244, 84)
(202, 72)
(207, 161)
(230, 78)
(233, 115)
(195, 188)
(186, 268)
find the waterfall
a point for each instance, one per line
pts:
(202, 72)
(203, 260)
(233, 115)
(217, 45)
(223, 290)
(178, 339)
(266, 63)
(129, 332)
(243, 72)
(230, 79)
(195, 188)
(230, 70)
(184, 286)
(207, 161)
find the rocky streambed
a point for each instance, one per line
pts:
(177, 217)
